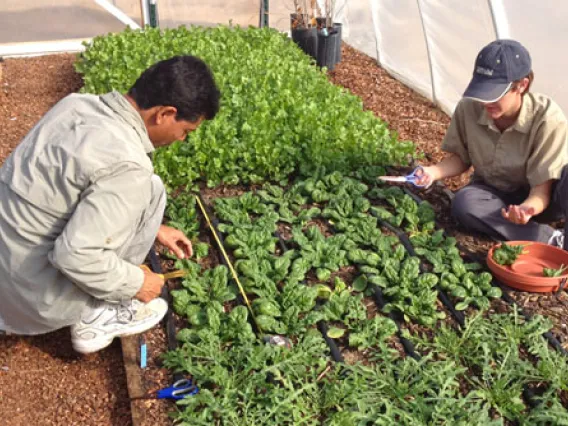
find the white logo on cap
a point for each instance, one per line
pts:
(484, 71)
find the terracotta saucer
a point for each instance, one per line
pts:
(526, 273)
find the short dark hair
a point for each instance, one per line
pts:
(530, 76)
(184, 82)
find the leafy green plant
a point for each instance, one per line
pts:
(552, 272)
(507, 254)
(372, 332)
(415, 218)
(251, 383)
(181, 214)
(271, 97)
(325, 255)
(344, 306)
(471, 288)
(202, 298)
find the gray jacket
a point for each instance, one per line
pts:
(71, 195)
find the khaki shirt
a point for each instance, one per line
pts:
(71, 194)
(525, 155)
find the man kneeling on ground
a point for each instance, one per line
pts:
(80, 207)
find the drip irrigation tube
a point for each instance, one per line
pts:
(321, 325)
(442, 296)
(380, 303)
(406, 344)
(549, 336)
(334, 349)
(170, 325)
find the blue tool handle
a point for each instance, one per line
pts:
(179, 390)
(413, 176)
(143, 356)
(176, 394)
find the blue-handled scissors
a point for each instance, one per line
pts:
(411, 178)
(179, 390)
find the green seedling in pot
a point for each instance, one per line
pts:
(507, 254)
(551, 272)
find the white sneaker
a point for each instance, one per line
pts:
(557, 239)
(102, 323)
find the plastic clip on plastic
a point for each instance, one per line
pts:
(143, 352)
(277, 340)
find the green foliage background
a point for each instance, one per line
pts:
(279, 114)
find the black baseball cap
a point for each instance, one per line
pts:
(496, 67)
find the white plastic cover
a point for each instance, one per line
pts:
(425, 41)
(48, 20)
(454, 35)
(543, 28)
(173, 13)
(430, 45)
(401, 45)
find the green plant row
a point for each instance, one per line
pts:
(462, 280)
(474, 377)
(279, 113)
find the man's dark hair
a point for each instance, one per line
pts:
(184, 82)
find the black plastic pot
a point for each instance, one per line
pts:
(307, 40)
(337, 26)
(327, 43)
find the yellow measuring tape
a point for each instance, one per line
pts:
(229, 264)
(167, 276)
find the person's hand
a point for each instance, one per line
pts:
(175, 241)
(151, 287)
(425, 176)
(518, 214)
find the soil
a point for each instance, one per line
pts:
(42, 381)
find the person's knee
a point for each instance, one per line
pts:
(465, 205)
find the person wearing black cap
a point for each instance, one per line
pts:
(516, 142)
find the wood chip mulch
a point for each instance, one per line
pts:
(43, 382)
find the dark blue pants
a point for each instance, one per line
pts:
(477, 206)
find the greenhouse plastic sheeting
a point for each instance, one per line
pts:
(49, 20)
(173, 13)
(447, 36)
(397, 22)
(543, 28)
(453, 36)
(430, 45)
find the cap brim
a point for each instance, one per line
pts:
(484, 90)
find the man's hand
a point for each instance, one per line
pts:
(518, 214)
(151, 287)
(175, 241)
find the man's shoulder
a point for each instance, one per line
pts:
(96, 133)
(468, 108)
(545, 109)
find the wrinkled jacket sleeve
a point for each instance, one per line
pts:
(102, 225)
